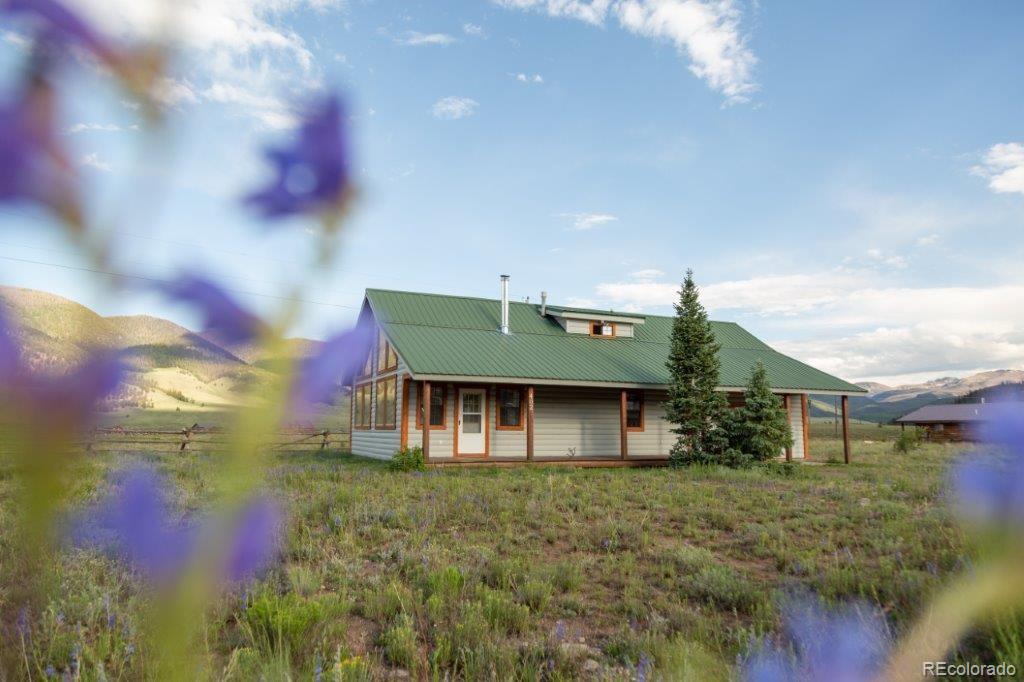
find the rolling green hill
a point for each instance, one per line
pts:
(171, 367)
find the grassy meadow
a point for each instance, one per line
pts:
(523, 573)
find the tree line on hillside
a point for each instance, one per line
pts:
(709, 432)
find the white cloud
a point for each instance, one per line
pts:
(525, 78)
(880, 257)
(588, 221)
(93, 160)
(269, 109)
(451, 108)
(929, 240)
(647, 275)
(243, 43)
(416, 39)
(1003, 166)
(474, 30)
(855, 324)
(17, 40)
(98, 127)
(707, 33)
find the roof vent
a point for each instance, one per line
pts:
(504, 304)
(543, 303)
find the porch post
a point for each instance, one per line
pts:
(785, 406)
(846, 429)
(623, 433)
(529, 423)
(805, 417)
(426, 422)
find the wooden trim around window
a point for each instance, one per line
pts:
(384, 350)
(498, 426)
(487, 423)
(643, 404)
(615, 330)
(355, 392)
(530, 427)
(434, 388)
(623, 431)
(376, 400)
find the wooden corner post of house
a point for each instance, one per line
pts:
(623, 431)
(425, 420)
(529, 423)
(805, 417)
(846, 429)
(789, 448)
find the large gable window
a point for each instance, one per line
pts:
(510, 408)
(387, 402)
(437, 403)
(634, 410)
(606, 329)
(362, 401)
(387, 359)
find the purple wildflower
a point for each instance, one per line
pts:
(222, 314)
(255, 540)
(990, 487)
(59, 23)
(33, 167)
(847, 646)
(135, 524)
(312, 175)
(643, 668)
(67, 400)
(335, 363)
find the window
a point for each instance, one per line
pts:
(602, 329)
(387, 359)
(634, 410)
(367, 370)
(437, 403)
(510, 408)
(387, 401)
(361, 402)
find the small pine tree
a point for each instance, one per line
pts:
(760, 428)
(694, 406)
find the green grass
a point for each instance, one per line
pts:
(527, 573)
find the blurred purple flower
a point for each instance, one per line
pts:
(59, 24)
(222, 314)
(68, 399)
(33, 167)
(136, 525)
(335, 363)
(255, 540)
(312, 175)
(846, 646)
(990, 487)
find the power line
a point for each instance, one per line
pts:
(158, 280)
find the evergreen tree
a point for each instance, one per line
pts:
(694, 406)
(760, 429)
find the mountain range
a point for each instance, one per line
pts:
(171, 367)
(884, 403)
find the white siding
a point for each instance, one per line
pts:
(657, 438)
(796, 425)
(380, 444)
(576, 421)
(577, 326)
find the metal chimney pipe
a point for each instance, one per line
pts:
(504, 304)
(543, 303)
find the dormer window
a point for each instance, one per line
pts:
(605, 329)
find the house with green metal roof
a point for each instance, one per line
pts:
(474, 379)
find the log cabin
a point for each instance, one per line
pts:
(953, 423)
(474, 380)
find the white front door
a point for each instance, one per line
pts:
(472, 425)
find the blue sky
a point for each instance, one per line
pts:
(847, 181)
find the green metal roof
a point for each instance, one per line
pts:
(458, 336)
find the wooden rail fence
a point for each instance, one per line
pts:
(212, 438)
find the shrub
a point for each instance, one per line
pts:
(282, 624)
(503, 614)
(536, 594)
(399, 643)
(408, 459)
(908, 441)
